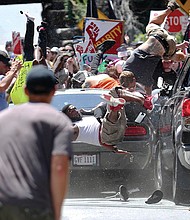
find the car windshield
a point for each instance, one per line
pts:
(86, 101)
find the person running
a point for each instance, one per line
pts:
(35, 153)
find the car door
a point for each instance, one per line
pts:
(170, 114)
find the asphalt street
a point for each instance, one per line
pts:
(91, 196)
(114, 209)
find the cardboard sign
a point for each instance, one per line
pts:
(97, 31)
(17, 93)
(87, 58)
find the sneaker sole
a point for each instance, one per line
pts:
(112, 101)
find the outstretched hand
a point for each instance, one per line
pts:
(16, 66)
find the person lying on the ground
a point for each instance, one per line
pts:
(144, 60)
(108, 133)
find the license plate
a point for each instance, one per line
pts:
(85, 160)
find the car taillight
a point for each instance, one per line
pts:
(185, 108)
(135, 131)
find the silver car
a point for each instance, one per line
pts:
(140, 137)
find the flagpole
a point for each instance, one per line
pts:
(91, 8)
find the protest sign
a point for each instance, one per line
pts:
(96, 32)
(17, 93)
(87, 58)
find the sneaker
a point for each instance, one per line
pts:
(115, 104)
(106, 45)
(123, 193)
(42, 27)
(29, 17)
(172, 5)
(155, 197)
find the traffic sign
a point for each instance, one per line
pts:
(173, 21)
(185, 5)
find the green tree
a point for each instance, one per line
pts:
(76, 9)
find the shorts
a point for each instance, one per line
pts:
(113, 133)
(143, 66)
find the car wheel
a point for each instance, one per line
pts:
(162, 178)
(181, 186)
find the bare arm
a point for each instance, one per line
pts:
(59, 182)
(75, 133)
(183, 45)
(159, 19)
(129, 96)
(6, 81)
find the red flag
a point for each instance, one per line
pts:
(17, 46)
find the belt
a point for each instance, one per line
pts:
(163, 41)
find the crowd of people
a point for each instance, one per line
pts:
(35, 155)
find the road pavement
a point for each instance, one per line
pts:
(114, 209)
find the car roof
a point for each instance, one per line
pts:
(81, 98)
(82, 91)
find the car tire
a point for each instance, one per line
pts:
(181, 186)
(162, 178)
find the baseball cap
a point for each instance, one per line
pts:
(40, 80)
(65, 108)
(5, 58)
(55, 50)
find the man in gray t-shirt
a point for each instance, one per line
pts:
(35, 152)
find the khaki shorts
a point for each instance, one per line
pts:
(113, 133)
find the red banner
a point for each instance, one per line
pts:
(17, 46)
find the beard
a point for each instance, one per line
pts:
(76, 118)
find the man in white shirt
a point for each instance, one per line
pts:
(91, 131)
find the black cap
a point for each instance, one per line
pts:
(65, 108)
(5, 58)
(40, 80)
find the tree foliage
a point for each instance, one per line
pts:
(76, 9)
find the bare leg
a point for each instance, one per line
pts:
(148, 90)
(113, 116)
